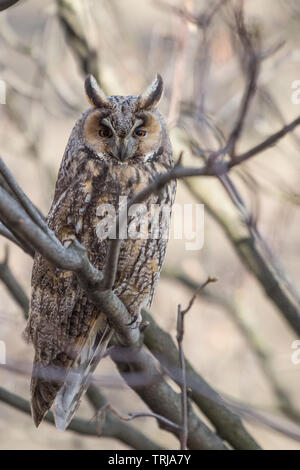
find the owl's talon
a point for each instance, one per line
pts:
(144, 325)
(137, 320)
(67, 243)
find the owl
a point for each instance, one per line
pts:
(116, 148)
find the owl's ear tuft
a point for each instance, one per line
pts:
(95, 94)
(151, 97)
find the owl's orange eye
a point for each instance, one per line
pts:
(105, 131)
(139, 133)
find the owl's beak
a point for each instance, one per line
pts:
(123, 153)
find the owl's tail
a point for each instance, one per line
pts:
(68, 398)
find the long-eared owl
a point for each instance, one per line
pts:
(116, 148)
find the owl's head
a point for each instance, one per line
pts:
(124, 129)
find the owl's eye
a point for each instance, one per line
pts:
(139, 133)
(105, 131)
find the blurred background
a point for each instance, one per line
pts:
(236, 335)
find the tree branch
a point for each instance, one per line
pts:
(4, 4)
(266, 144)
(74, 259)
(13, 286)
(228, 425)
(10, 236)
(112, 427)
(86, 56)
(253, 63)
(163, 400)
(285, 404)
(255, 254)
(183, 384)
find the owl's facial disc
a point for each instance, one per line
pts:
(123, 128)
(123, 135)
(123, 143)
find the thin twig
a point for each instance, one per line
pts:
(101, 414)
(202, 286)
(162, 400)
(254, 342)
(174, 109)
(180, 334)
(266, 144)
(253, 63)
(9, 235)
(25, 202)
(227, 424)
(184, 404)
(12, 284)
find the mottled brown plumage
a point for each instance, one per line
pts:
(106, 157)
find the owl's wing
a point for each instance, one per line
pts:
(69, 333)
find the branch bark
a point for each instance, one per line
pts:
(258, 348)
(86, 56)
(113, 427)
(13, 286)
(254, 253)
(228, 425)
(163, 400)
(4, 4)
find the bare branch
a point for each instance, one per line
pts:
(86, 56)
(112, 427)
(202, 286)
(12, 285)
(174, 109)
(164, 401)
(228, 425)
(272, 422)
(73, 258)
(202, 20)
(27, 205)
(180, 333)
(252, 75)
(4, 4)
(257, 256)
(10, 236)
(124, 432)
(266, 144)
(183, 386)
(101, 414)
(255, 343)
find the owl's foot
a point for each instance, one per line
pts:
(68, 241)
(136, 321)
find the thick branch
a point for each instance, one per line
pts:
(163, 400)
(10, 236)
(112, 428)
(4, 4)
(227, 424)
(254, 253)
(74, 259)
(86, 56)
(285, 404)
(125, 433)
